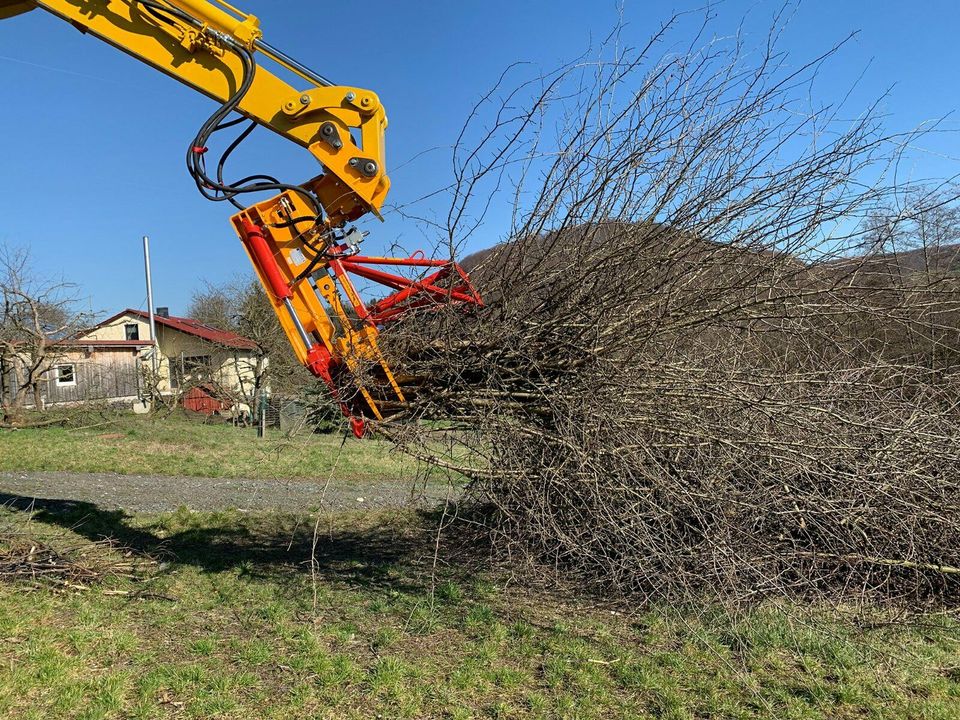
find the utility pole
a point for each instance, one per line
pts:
(153, 324)
(154, 351)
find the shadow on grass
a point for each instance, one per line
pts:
(387, 551)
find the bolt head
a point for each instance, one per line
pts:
(304, 99)
(351, 96)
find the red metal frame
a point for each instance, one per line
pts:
(406, 290)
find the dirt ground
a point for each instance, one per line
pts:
(139, 493)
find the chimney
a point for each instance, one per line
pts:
(163, 312)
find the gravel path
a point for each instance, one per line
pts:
(139, 493)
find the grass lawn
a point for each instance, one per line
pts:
(227, 628)
(137, 445)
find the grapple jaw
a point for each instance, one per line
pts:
(306, 268)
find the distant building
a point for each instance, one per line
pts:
(206, 368)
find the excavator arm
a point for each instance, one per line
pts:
(298, 240)
(207, 52)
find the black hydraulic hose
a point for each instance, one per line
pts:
(217, 189)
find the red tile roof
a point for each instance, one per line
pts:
(191, 327)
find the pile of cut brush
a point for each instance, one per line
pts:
(66, 567)
(715, 359)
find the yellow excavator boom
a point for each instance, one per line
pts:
(199, 55)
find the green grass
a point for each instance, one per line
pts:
(227, 628)
(137, 445)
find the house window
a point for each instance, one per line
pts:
(66, 375)
(132, 331)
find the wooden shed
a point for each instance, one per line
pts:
(206, 400)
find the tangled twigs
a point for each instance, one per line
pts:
(718, 356)
(75, 567)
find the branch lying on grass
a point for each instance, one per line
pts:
(890, 562)
(34, 425)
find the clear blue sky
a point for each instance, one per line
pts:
(93, 141)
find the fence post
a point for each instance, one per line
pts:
(262, 420)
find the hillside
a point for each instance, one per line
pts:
(498, 260)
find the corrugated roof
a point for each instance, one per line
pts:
(191, 327)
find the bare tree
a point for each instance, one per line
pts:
(35, 314)
(687, 378)
(242, 307)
